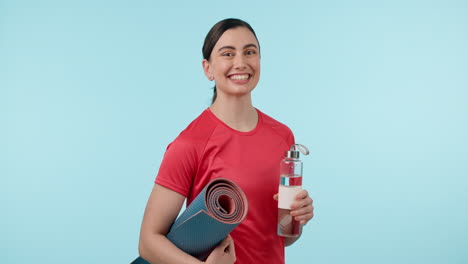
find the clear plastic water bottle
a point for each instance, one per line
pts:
(290, 185)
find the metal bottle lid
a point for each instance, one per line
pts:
(293, 152)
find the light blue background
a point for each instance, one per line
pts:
(93, 91)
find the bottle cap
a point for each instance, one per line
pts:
(293, 152)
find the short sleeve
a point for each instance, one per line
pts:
(178, 166)
(290, 139)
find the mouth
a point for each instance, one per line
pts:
(239, 77)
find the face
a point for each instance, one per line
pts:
(234, 63)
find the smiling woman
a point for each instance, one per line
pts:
(233, 140)
(234, 65)
(213, 41)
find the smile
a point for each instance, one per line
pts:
(239, 76)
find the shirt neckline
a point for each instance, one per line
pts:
(241, 133)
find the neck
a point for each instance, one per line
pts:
(236, 112)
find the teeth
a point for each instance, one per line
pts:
(239, 77)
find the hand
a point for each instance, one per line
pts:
(302, 208)
(224, 253)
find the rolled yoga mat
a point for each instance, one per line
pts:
(213, 214)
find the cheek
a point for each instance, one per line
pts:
(255, 64)
(221, 69)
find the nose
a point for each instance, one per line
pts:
(239, 62)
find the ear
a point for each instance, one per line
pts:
(207, 69)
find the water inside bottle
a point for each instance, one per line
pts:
(291, 180)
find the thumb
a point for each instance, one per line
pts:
(225, 243)
(275, 197)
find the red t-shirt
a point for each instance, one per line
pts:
(209, 149)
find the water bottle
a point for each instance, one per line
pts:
(290, 185)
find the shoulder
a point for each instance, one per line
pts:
(183, 155)
(277, 127)
(197, 133)
(274, 124)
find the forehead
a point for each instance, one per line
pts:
(236, 37)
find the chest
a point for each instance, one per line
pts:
(251, 162)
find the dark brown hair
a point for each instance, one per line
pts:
(216, 32)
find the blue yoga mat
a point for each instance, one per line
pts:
(213, 214)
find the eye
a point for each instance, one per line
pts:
(228, 54)
(251, 52)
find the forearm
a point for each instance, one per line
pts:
(156, 248)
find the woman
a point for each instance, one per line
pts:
(230, 139)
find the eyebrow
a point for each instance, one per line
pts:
(246, 46)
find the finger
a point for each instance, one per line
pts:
(275, 197)
(302, 211)
(302, 195)
(231, 251)
(302, 203)
(227, 249)
(306, 216)
(232, 248)
(225, 243)
(229, 243)
(304, 219)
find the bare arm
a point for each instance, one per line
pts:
(161, 211)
